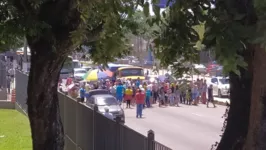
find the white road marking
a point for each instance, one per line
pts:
(196, 114)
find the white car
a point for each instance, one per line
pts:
(201, 68)
(87, 68)
(79, 73)
(221, 86)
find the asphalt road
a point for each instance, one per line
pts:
(180, 128)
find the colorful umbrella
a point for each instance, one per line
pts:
(96, 74)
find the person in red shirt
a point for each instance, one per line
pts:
(140, 97)
(69, 80)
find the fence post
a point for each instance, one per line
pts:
(151, 138)
(118, 134)
(95, 109)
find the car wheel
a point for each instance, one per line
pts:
(219, 93)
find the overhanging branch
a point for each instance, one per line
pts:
(22, 5)
(94, 34)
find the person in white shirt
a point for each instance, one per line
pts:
(113, 90)
(107, 114)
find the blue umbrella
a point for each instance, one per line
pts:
(162, 77)
(102, 75)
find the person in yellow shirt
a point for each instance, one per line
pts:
(128, 96)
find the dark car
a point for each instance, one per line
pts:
(102, 100)
(97, 92)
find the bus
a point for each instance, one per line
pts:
(114, 67)
(130, 72)
(68, 67)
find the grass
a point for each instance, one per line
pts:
(14, 131)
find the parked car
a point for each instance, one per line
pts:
(102, 100)
(221, 86)
(97, 92)
(79, 73)
(212, 66)
(64, 73)
(87, 68)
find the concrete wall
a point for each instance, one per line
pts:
(7, 105)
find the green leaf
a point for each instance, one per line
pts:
(237, 72)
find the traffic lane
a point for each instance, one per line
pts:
(180, 128)
(177, 131)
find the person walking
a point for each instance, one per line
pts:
(128, 96)
(134, 90)
(188, 96)
(137, 83)
(140, 96)
(120, 92)
(148, 96)
(154, 93)
(82, 93)
(8, 84)
(172, 94)
(177, 95)
(194, 93)
(161, 96)
(210, 96)
(203, 92)
(113, 90)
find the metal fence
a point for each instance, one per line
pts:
(3, 81)
(21, 81)
(86, 129)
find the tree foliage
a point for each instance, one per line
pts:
(142, 27)
(102, 25)
(189, 24)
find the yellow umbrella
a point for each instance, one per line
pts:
(91, 75)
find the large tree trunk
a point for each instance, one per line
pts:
(43, 104)
(256, 139)
(238, 116)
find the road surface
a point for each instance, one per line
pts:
(180, 128)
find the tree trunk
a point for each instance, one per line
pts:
(256, 139)
(43, 105)
(238, 116)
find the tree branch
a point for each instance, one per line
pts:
(94, 34)
(22, 5)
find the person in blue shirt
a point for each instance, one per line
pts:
(137, 83)
(148, 96)
(82, 93)
(119, 92)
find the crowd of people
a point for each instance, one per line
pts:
(141, 94)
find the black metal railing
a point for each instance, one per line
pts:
(159, 146)
(87, 129)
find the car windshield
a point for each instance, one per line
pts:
(224, 81)
(132, 72)
(106, 101)
(80, 71)
(76, 64)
